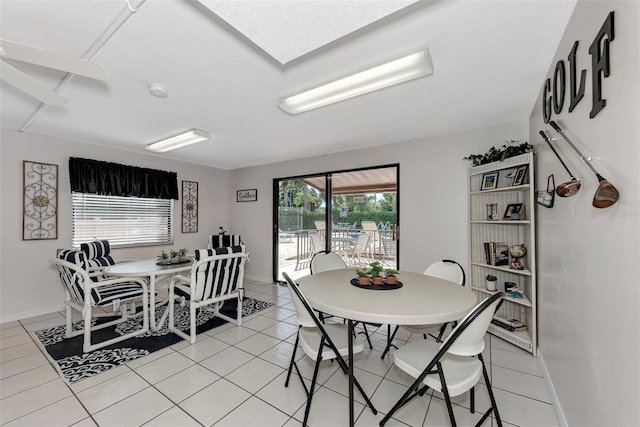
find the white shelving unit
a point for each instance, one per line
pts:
(512, 232)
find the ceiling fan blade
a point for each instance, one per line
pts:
(44, 58)
(31, 87)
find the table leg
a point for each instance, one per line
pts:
(152, 303)
(350, 331)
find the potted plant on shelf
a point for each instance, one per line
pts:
(174, 256)
(390, 275)
(164, 258)
(491, 282)
(182, 254)
(375, 269)
(363, 275)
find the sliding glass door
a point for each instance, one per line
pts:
(353, 213)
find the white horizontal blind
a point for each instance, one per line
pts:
(124, 221)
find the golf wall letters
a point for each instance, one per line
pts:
(600, 66)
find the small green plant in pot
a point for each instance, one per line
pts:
(390, 275)
(182, 254)
(491, 282)
(375, 269)
(363, 275)
(164, 258)
(174, 256)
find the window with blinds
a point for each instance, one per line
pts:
(124, 221)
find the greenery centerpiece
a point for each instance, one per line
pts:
(174, 256)
(499, 154)
(182, 254)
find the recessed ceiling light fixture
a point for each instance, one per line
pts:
(192, 137)
(391, 73)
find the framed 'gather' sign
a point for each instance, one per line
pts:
(247, 195)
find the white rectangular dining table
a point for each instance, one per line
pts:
(149, 268)
(422, 300)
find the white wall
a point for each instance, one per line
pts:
(433, 187)
(28, 283)
(588, 263)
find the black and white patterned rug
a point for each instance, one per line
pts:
(74, 365)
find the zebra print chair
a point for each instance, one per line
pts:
(83, 294)
(217, 275)
(224, 241)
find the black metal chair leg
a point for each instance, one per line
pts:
(494, 406)
(313, 385)
(447, 398)
(293, 355)
(389, 340)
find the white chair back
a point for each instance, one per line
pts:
(224, 241)
(468, 336)
(447, 270)
(217, 272)
(326, 261)
(304, 314)
(317, 241)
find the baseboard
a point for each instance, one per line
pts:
(562, 421)
(32, 313)
(258, 279)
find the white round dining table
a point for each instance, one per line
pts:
(422, 300)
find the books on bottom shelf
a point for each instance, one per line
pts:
(510, 325)
(496, 253)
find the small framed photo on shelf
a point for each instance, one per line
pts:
(514, 211)
(489, 181)
(520, 175)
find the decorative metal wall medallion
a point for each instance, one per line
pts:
(40, 209)
(189, 207)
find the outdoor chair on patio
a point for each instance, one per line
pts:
(355, 253)
(84, 294)
(217, 275)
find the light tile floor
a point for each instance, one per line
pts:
(234, 376)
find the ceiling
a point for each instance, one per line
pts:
(226, 71)
(377, 180)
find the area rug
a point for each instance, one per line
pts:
(73, 366)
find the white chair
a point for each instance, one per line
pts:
(224, 241)
(217, 275)
(317, 242)
(452, 367)
(448, 270)
(319, 342)
(84, 292)
(359, 249)
(327, 261)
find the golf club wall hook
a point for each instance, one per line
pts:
(606, 194)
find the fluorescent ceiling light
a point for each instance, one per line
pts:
(400, 70)
(192, 137)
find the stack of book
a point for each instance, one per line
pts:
(496, 253)
(508, 324)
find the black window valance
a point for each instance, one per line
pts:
(112, 179)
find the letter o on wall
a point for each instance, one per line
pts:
(558, 86)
